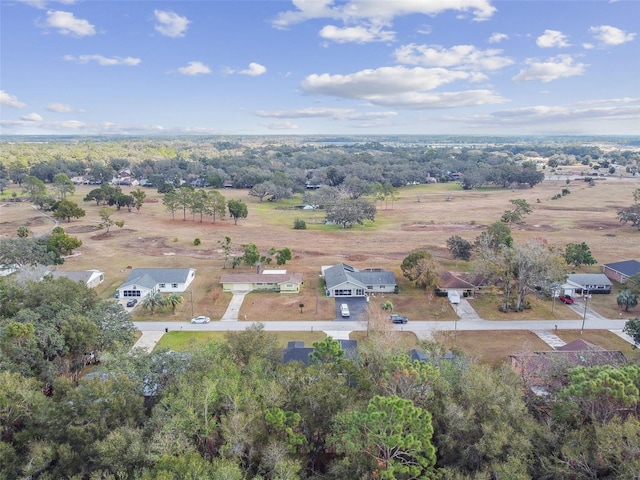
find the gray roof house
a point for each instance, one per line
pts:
(90, 278)
(343, 280)
(621, 271)
(142, 281)
(297, 352)
(590, 282)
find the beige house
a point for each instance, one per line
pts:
(262, 282)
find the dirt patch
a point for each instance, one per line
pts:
(81, 229)
(539, 228)
(440, 227)
(598, 225)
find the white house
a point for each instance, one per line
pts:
(91, 278)
(343, 280)
(143, 281)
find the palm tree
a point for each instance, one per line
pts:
(153, 301)
(173, 300)
(387, 306)
(627, 299)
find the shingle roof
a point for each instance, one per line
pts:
(342, 273)
(260, 277)
(589, 279)
(76, 275)
(628, 267)
(150, 277)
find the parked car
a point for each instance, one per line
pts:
(398, 318)
(344, 310)
(132, 302)
(566, 299)
(200, 319)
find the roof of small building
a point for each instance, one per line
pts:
(150, 277)
(627, 267)
(261, 277)
(583, 279)
(76, 275)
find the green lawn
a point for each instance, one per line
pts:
(186, 341)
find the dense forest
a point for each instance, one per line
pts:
(297, 163)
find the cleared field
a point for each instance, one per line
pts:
(422, 218)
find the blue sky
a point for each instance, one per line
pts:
(320, 67)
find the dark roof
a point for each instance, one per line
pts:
(589, 279)
(76, 275)
(628, 267)
(297, 352)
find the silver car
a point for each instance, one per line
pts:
(200, 319)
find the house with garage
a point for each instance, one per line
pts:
(586, 283)
(143, 281)
(621, 271)
(90, 278)
(268, 281)
(343, 280)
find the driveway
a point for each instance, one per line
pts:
(357, 308)
(231, 314)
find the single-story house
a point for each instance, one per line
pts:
(547, 369)
(91, 278)
(143, 281)
(267, 281)
(587, 283)
(297, 352)
(621, 271)
(343, 280)
(465, 284)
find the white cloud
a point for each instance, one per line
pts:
(377, 11)
(31, 117)
(400, 87)
(459, 56)
(319, 112)
(254, 70)
(280, 126)
(68, 24)
(194, 68)
(170, 24)
(551, 39)
(358, 34)
(611, 36)
(59, 107)
(560, 66)
(10, 100)
(498, 37)
(103, 61)
(43, 3)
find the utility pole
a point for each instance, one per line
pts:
(584, 316)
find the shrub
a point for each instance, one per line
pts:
(566, 191)
(299, 224)
(197, 242)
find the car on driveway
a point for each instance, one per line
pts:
(398, 318)
(132, 302)
(344, 310)
(566, 299)
(200, 319)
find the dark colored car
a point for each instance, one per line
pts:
(398, 318)
(566, 299)
(132, 302)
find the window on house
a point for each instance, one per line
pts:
(174, 285)
(163, 285)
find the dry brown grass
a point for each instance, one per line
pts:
(487, 307)
(153, 239)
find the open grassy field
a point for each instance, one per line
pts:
(423, 218)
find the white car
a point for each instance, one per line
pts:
(200, 319)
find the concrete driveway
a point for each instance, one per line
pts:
(231, 314)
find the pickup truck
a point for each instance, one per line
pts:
(398, 318)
